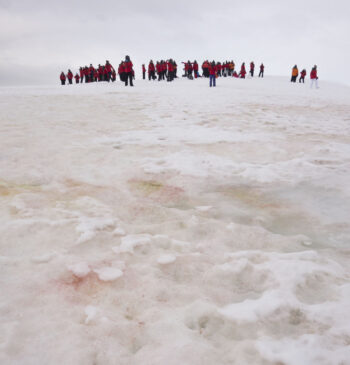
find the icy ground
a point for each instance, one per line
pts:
(175, 224)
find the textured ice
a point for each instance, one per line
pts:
(175, 224)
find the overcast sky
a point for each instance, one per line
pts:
(40, 38)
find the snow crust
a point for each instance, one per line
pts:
(175, 224)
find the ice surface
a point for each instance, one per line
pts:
(175, 224)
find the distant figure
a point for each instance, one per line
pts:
(243, 71)
(212, 74)
(314, 77)
(77, 77)
(205, 68)
(261, 73)
(81, 72)
(195, 69)
(143, 72)
(70, 76)
(128, 71)
(252, 67)
(63, 78)
(121, 72)
(295, 73)
(302, 76)
(151, 71)
(109, 70)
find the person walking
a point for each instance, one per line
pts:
(302, 76)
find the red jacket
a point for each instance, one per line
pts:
(143, 68)
(128, 66)
(151, 67)
(313, 74)
(212, 70)
(62, 76)
(109, 67)
(303, 73)
(77, 77)
(243, 71)
(121, 69)
(70, 76)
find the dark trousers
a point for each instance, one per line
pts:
(252, 73)
(128, 77)
(302, 79)
(212, 79)
(144, 75)
(70, 81)
(63, 82)
(261, 73)
(293, 79)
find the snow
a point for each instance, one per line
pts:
(171, 223)
(108, 273)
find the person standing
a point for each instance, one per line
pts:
(302, 76)
(261, 73)
(128, 71)
(63, 78)
(151, 71)
(314, 77)
(212, 74)
(252, 67)
(70, 76)
(143, 71)
(295, 73)
(243, 71)
(77, 77)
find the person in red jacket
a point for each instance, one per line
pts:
(302, 76)
(121, 72)
(261, 73)
(252, 67)
(205, 68)
(212, 74)
(109, 69)
(171, 70)
(314, 77)
(128, 71)
(81, 72)
(70, 76)
(151, 71)
(243, 71)
(195, 69)
(143, 71)
(63, 78)
(77, 77)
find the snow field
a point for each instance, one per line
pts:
(175, 224)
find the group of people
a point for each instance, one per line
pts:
(165, 70)
(313, 76)
(101, 73)
(90, 74)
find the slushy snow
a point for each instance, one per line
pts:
(171, 223)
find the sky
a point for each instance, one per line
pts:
(41, 38)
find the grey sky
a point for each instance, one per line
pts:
(40, 38)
